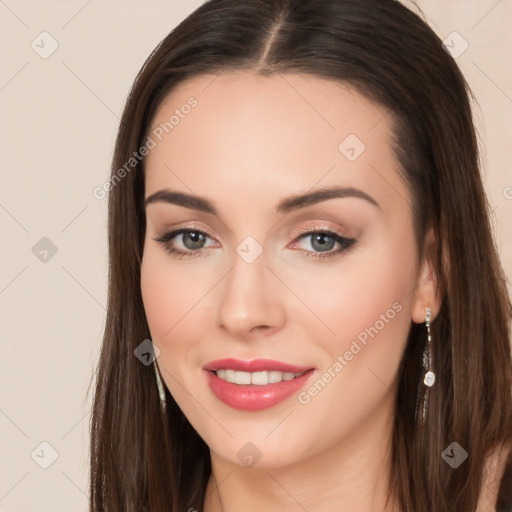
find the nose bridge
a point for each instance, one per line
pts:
(249, 298)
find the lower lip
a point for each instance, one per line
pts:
(251, 397)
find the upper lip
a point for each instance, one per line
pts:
(254, 365)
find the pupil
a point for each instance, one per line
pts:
(320, 238)
(197, 238)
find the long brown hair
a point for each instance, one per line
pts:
(145, 460)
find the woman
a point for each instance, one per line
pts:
(306, 307)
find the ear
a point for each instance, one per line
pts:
(427, 291)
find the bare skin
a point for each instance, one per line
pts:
(250, 142)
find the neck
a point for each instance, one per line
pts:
(352, 475)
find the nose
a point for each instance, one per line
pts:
(250, 302)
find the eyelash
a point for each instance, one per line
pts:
(346, 243)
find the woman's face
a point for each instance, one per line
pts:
(248, 282)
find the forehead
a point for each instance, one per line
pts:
(268, 134)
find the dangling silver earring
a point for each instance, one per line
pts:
(430, 376)
(161, 391)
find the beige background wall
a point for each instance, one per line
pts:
(59, 119)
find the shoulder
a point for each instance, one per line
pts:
(493, 474)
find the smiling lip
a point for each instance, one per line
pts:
(251, 397)
(254, 365)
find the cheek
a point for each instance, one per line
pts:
(169, 294)
(365, 297)
(160, 302)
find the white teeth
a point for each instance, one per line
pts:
(256, 378)
(275, 376)
(242, 378)
(230, 375)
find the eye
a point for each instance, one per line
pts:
(192, 240)
(323, 241)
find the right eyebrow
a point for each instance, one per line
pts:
(182, 199)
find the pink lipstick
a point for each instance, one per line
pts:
(255, 384)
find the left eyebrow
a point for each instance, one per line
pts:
(286, 205)
(324, 194)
